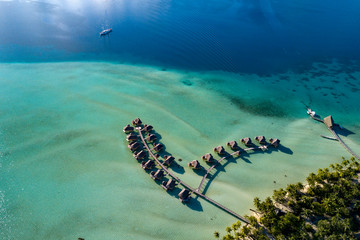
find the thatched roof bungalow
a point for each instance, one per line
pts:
(133, 146)
(131, 137)
(147, 165)
(169, 185)
(274, 142)
(194, 164)
(147, 128)
(329, 122)
(246, 141)
(128, 129)
(219, 150)
(151, 138)
(233, 145)
(208, 158)
(168, 160)
(157, 175)
(158, 147)
(136, 122)
(260, 139)
(140, 155)
(184, 195)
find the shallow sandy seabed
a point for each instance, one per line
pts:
(66, 171)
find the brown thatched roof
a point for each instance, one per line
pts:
(329, 121)
(131, 137)
(147, 128)
(260, 139)
(168, 160)
(274, 141)
(184, 194)
(246, 141)
(133, 146)
(194, 164)
(128, 129)
(136, 122)
(151, 138)
(159, 174)
(140, 155)
(219, 150)
(149, 164)
(232, 144)
(170, 184)
(208, 157)
(158, 147)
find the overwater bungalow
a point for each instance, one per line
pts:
(274, 142)
(169, 185)
(131, 137)
(147, 128)
(151, 138)
(147, 165)
(246, 141)
(158, 147)
(329, 122)
(233, 145)
(219, 150)
(140, 155)
(168, 160)
(128, 129)
(194, 164)
(184, 195)
(133, 146)
(136, 122)
(260, 139)
(208, 158)
(159, 174)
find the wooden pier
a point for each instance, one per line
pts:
(337, 137)
(344, 144)
(186, 185)
(263, 147)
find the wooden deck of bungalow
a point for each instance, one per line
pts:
(337, 137)
(188, 186)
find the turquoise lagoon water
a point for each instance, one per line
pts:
(201, 72)
(66, 171)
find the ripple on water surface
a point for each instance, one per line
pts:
(66, 171)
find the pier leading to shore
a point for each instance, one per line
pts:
(331, 126)
(155, 148)
(186, 185)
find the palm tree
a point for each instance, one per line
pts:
(216, 234)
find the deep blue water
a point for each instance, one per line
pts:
(231, 35)
(65, 170)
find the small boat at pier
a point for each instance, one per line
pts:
(311, 112)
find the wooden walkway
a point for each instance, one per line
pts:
(344, 144)
(217, 162)
(338, 138)
(187, 186)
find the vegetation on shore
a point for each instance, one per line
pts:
(326, 207)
